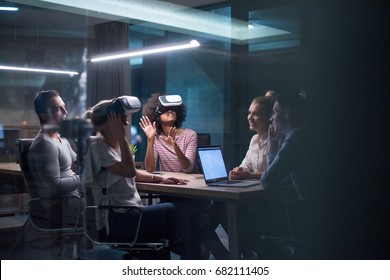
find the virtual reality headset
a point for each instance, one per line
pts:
(124, 104)
(168, 102)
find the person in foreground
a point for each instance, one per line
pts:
(255, 161)
(284, 158)
(50, 159)
(109, 165)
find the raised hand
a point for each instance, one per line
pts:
(148, 128)
(115, 124)
(171, 137)
(273, 140)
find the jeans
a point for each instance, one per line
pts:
(157, 222)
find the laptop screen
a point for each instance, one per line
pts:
(212, 163)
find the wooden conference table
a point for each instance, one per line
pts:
(10, 168)
(195, 188)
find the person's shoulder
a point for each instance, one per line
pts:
(297, 132)
(97, 143)
(42, 141)
(254, 138)
(189, 131)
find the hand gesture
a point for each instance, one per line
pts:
(173, 181)
(115, 124)
(171, 138)
(273, 140)
(238, 173)
(148, 128)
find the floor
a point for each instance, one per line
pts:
(26, 243)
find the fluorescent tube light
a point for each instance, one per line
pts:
(9, 9)
(192, 44)
(27, 69)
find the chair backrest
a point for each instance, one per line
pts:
(90, 219)
(43, 218)
(39, 216)
(23, 145)
(204, 140)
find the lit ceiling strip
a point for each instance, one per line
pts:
(9, 9)
(167, 14)
(27, 69)
(192, 44)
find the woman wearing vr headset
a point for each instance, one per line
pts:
(174, 149)
(170, 145)
(109, 164)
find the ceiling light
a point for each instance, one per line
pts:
(167, 14)
(146, 51)
(9, 9)
(27, 69)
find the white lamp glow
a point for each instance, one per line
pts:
(192, 44)
(9, 9)
(27, 69)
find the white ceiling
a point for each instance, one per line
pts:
(46, 18)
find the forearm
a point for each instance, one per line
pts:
(146, 177)
(149, 157)
(126, 156)
(255, 175)
(183, 160)
(57, 186)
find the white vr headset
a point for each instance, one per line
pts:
(167, 101)
(125, 104)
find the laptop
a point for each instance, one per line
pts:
(214, 169)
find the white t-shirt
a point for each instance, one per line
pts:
(120, 190)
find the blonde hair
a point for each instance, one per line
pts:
(98, 113)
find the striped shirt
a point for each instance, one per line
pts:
(166, 156)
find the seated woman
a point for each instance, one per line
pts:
(169, 145)
(174, 149)
(255, 161)
(109, 165)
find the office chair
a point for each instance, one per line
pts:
(137, 248)
(42, 218)
(300, 216)
(204, 140)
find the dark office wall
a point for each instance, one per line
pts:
(346, 72)
(18, 89)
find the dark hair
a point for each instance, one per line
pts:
(296, 104)
(266, 103)
(41, 99)
(149, 110)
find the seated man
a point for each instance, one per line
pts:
(50, 159)
(287, 155)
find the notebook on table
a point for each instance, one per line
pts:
(214, 169)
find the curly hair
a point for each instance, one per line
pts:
(149, 110)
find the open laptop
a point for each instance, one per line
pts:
(214, 169)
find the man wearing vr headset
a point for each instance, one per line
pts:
(109, 165)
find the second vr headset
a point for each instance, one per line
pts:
(124, 104)
(168, 102)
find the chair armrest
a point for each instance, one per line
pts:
(108, 207)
